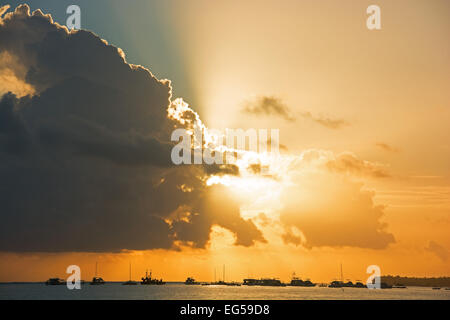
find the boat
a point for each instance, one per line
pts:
(148, 280)
(297, 282)
(55, 282)
(436, 288)
(130, 282)
(359, 284)
(267, 282)
(398, 286)
(96, 280)
(191, 281)
(222, 282)
(336, 284)
(348, 284)
(233, 284)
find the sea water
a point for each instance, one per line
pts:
(174, 291)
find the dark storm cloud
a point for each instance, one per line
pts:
(85, 162)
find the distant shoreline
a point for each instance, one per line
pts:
(417, 281)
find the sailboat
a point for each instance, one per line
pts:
(336, 283)
(222, 282)
(97, 280)
(130, 282)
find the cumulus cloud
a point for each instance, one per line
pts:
(329, 209)
(343, 216)
(85, 150)
(85, 159)
(12, 76)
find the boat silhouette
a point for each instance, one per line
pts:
(265, 282)
(96, 280)
(148, 280)
(130, 282)
(297, 282)
(55, 282)
(191, 281)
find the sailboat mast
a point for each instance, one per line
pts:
(96, 268)
(130, 271)
(342, 274)
(223, 273)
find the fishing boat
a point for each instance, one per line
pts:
(130, 282)
(148, 280)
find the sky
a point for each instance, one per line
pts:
(363, 177)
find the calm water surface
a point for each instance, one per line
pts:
(180, 291)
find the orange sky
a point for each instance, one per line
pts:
(390, 87)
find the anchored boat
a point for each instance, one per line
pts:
(130, 282)
(191, 281)
(148, 280)
(96, 280)
(55, 282)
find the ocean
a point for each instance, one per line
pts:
(179, 291)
